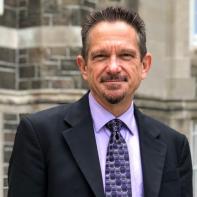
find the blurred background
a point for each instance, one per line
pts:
(39, 40)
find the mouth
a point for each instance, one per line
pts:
(113, 79)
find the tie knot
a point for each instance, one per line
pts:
(114, 125)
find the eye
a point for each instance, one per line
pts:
(127, 56)
(99, 57)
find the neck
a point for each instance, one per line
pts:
(117, 109)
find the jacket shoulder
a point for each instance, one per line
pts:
(156, 125)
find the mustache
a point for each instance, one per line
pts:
(113, 78)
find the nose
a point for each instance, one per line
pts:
(113, 65)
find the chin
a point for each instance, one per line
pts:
(114, 99)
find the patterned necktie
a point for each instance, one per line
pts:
(117, 171)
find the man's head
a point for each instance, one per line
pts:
(112, 14)
(115, 60)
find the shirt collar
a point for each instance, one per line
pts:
(101, 116)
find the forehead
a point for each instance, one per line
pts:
(117, 33)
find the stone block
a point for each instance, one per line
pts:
(63, 17)
(50, 6)
(65, 83)
(12, 3)
(55, 51)
(9, 117)
(23, 60)
(76, 17)
(7, 80)
(35, 55)
(22, 51)
(10, 126)
(23, 18)
(79, 82)
(9, 137)
(9, 18)
(5, 192)
(27, 71)
(55, 36)
(34, 18)
(25, 85)
(7, 55)
(69, 16)
(7, 155)
(194, 71)
(34, 6)
(46, 20)
(91, 4)
(48, 70)
(29, 19)
(34, 84)
(30, 15)
(6, 160)
(70, 2)
(40, 84)
(5, 181)
(22, 3)
(5, 169)
(74, 51)
(69, 64)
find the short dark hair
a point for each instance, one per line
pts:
(112, 14)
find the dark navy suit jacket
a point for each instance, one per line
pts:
(55, 155)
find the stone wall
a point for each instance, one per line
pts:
(40, 41)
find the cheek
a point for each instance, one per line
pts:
(135, 75)
(95, 74)
(91, 75)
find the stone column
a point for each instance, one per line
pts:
(168, 40)
(181, 85)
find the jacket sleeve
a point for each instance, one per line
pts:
(26, 173)
(185, 169)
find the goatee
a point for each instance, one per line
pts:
(114, 100)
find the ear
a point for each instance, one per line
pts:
(82, 66)
(146, 65)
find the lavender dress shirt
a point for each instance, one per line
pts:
(100, 117)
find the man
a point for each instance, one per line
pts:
(102, 145)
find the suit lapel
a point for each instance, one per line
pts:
(153, 152)
(81, 141)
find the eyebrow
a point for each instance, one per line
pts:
(128, 51)
(96, 52)
(106, 51)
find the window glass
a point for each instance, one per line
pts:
(195, 17)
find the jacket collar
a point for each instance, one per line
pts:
(153, 152)
(81, 141)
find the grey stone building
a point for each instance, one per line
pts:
(41, 38)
